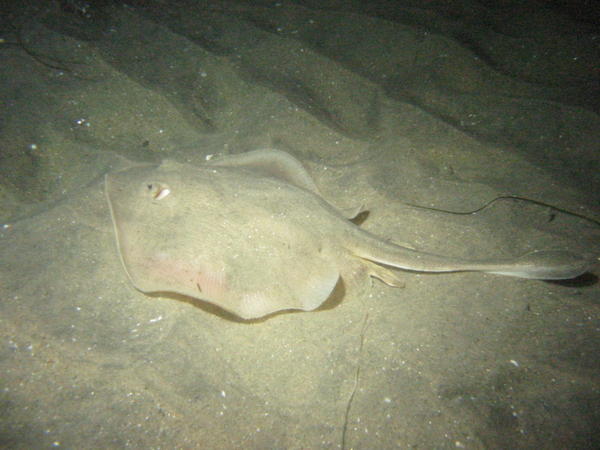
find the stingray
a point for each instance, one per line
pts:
(251, 234)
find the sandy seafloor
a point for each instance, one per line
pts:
(444, 104)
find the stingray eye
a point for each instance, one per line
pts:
(158, 191)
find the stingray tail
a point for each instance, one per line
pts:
(539, 264)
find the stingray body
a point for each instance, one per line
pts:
(251, 234)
